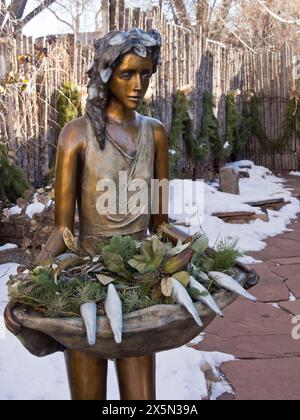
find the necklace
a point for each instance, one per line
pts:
(113, 141)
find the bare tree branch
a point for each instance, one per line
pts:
(277, 17)
(181, 12)
(17, 8)
(44, 5)
(61, 19)
(3, 11)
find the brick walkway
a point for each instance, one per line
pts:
(259, 334)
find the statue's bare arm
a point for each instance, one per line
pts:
(161, 171)
(70, 147)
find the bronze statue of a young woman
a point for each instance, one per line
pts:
(111, 138)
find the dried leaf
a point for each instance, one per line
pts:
(105, 74)
(63, 265)
(180, 247)
(70, 240)
(118, 39)
(105, 280)
(167, 287)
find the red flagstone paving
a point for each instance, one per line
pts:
(288, 248)
(292, 307)
(294, 285)
(273, 380)
(260, 334)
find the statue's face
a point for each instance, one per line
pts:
(130, 80)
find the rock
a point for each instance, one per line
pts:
(210, 378)
(16, 254)
(229, 181)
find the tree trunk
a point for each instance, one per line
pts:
(202, 12)
(181, 13)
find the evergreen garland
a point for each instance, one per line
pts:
(179, 118)
(13, 182)
(232, 123)
(182, 127)
(210, 138)
(251, 125)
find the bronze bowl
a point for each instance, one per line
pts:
(147, 331)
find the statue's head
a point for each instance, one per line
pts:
(123, 65)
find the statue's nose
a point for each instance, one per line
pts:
(137, 83)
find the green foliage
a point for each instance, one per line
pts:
(232, 122)
(226, 255)
(223, 258)
(257, 128)
(145, 109)
(210, 138)
(124, 246)
(245, 128)
(13, 182)
(57, 299)
(291, 124)
(251, 125)
(179, 118)
(89, 292)
(68, 104)
(182, 127)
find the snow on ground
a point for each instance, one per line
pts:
(34, 208)
(293, 173)
(261, 185)
(179, 374)
(25, 377)
(6, 247)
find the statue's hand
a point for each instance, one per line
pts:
(37, 343)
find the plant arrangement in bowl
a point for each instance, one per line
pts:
(127, 276)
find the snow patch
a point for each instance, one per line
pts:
(292, 297)
(36, 207)
(247, 260)
(293, 173)
(14, 211)
(262, 185)
(8, 247)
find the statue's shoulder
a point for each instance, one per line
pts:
(74, 134)
(159, 131)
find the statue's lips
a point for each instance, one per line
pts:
(134, 98)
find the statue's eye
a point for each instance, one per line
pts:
(147, 75)
(126, 75)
